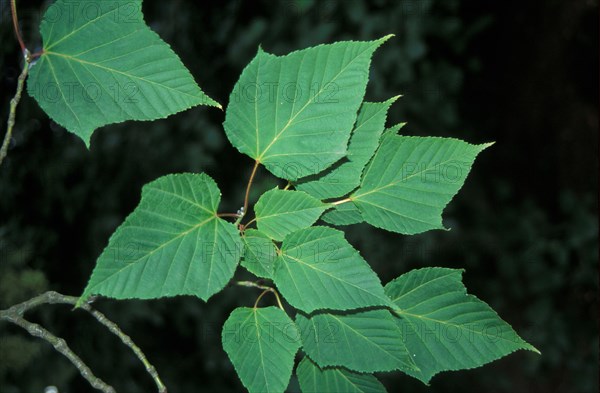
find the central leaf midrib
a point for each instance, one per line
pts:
(397, 182)
(112, 70)
(332, 276)
(460, 327)
(423, 284)
(365, 338)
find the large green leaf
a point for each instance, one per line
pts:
(319, 269)
(102, 64)
(368, 341)
(259, 253)
(444, 327)
(313, 379)
(344, 177)
(262, 344)
(410, 180)
(172, 244)
(280, 212)
(294, 113)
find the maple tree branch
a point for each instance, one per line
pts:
(15, 313)
(61, 346)
(13, 108)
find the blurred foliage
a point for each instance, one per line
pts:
(524, 227)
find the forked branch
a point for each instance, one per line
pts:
(15, 315)
(61, 346)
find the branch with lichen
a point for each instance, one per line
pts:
(15, 313)
(13, 107)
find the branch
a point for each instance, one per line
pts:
(61, 346)
(13, 107)
(125, 339)
(51, 297)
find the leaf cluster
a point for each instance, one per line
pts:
(304, 118)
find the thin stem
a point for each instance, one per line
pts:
(36, 55)
(61, 346)
(260, 297)
(266, 289)
(248, 223)
(13, 108)
(15, 19)
(235, 215)
(278, 299)
(56, 298)
(249, 186)
(287, 186)
(341, 201)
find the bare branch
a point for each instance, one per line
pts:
(13, 107)
(125, 339)
(52, 297)
(61, 346)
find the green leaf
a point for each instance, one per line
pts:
(319, 269)
(313, 379)
(259, 253)
(444, 327)
(368, 341)
(341, 179)
(261, 343)
(280, 212)
(294, 113)
(410, 180)
(101, 64)
(172, 244)
(344, 214)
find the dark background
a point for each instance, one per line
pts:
(521, 73)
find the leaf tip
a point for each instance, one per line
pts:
(484, 146)
(382, 40)
(533, 349)
(86, 137)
